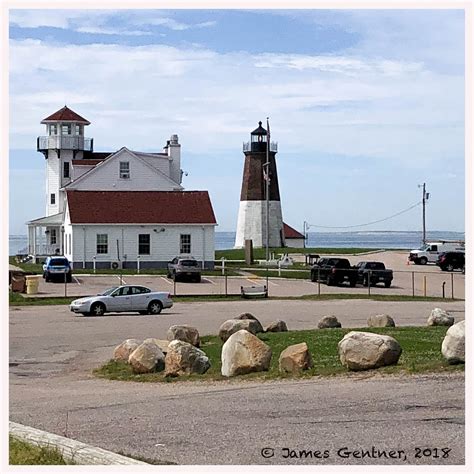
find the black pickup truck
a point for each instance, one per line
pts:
(375, 272)
(334, 271)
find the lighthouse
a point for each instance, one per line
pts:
(260, 166)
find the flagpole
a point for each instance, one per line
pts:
(267, 186)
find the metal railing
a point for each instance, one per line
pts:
(55, 142)
(247, 146)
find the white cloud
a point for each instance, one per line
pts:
(173, 24)
(111, 31)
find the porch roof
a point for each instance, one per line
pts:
(55, 219)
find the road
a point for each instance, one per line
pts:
(52, 353)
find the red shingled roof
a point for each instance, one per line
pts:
(65, 115)
(140, 207)
(291, 233)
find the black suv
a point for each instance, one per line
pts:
(449, 261)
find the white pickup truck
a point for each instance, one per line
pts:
(431, 251)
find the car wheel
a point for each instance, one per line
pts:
(68, 278)
(97, 309)
(329, 281)
(464, 269)
(352, 283)
(423, 261)
(449, 267)
(198, 279)
(47, 277)
(387, 284)
(313, 277)
(155, 307)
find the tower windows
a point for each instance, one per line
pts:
(66, 129)
(79, 129)
(53, 129)
(185, 243)
(66, 170)
(53, 199)
(124, 170)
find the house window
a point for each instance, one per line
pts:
(79, 129)
(143, 244)
(124, 169)
(53, 199)
(102, 243)
(185, 243)
(66, 129)
(66, 170)
(53, 129)
(52, 237)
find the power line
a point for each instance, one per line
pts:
(368, 223)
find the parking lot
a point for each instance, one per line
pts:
(409, 280)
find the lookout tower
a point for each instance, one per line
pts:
(252, 219)
(64, 142)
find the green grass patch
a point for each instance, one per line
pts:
(421, 353)
(25, 453)
(260, 253)
(301, 275)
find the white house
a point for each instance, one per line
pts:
(124, 208)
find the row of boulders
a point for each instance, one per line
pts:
(243, 352)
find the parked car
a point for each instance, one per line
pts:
(375, 272)
(432, 250)
(334, 271)
(184, 268)
(125, 298)
(449, 261)
(56, 267)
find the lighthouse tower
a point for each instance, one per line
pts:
(64, 142)
(252, 219)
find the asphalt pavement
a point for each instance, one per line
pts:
(392, 419)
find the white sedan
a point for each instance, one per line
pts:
(121, 299)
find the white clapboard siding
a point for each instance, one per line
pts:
(164, 244)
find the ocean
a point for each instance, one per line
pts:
(368, 239)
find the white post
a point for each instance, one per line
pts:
(93, 262)
(279, 268)
(223, 265)
(138, 264)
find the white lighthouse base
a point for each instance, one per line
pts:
(251, 224)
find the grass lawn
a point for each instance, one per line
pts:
(31, 454)
(259, 253)
(421, 353)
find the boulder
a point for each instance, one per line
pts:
(185, 359)
(243, 353)
(147, 357)
(231, 326)
(184, 333)
(380, 321)
(122, 351)
(366, 350)
(453, 344)
(329, 322)
(295, 358)
(246, 316)
(439, 317)
(161, 343)
(277, 326)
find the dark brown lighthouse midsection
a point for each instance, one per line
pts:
(253, 183)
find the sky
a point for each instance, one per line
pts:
(365, 105)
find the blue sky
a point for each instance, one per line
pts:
(365, 104)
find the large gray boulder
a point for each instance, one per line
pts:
(328, 322)
(277, 326)
(380, 321)
(439, 317)
(243, 353)
(246, 316)
(453, 345)
(184, 333)
(365, 350)
(185, 359)
(231, 326)
(295, 359)
(147, 357)
(122, 351)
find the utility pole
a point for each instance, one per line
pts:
(267, 195)
(424, 200)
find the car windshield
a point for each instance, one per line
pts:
(59, 261)
(375, 266)
(189, 263)
(108, 292)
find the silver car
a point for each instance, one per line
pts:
(125, 298)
